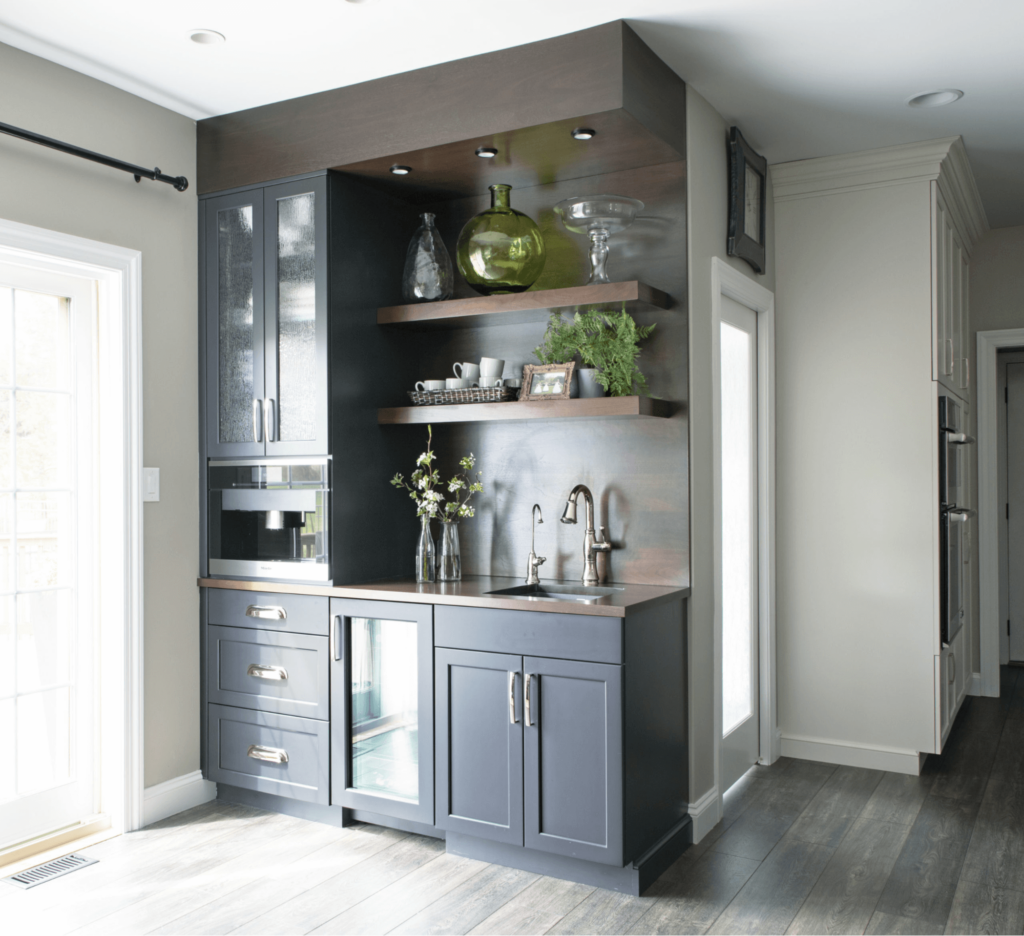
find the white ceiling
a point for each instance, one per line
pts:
(801, 78)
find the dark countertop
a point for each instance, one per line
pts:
(471, 592)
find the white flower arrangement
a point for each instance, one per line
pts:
(429, 501)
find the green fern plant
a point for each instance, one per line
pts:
(611, 343)
(561, 340)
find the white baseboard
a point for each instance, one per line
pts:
(851, 755)
(175, 796)
(705, 813)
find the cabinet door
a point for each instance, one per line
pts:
(479, 744)
(964, 322)
(296, 320)
(572, 742)
(382, 708)
(234, 313)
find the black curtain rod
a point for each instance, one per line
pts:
(179, 182)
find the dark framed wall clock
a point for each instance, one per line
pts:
(747, 173)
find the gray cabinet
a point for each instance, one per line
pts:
(479, 744)
(264, 259)
(573, 759)
(382, 709)
(529, 752)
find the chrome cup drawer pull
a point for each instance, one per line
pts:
(271, 755)
(266, 612)
(267, 672)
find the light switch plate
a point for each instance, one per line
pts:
(151, 484)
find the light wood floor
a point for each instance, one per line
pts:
(803, 848)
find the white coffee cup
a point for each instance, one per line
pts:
(466, 371)
(490, 382)
(456, 383)
(491, 367)
(425, 385)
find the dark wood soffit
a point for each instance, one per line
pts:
(592, 71)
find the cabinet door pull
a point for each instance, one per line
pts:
(512, 720)
(266, 612)
(948, 368)
(257, 409)
(526, 698)
(269, 424)
(335, 625)
(965, 373)
(952, 667)
(260, 671)
(271, 755)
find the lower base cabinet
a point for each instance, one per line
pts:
(529, 752)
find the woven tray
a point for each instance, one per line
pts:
(473, 395)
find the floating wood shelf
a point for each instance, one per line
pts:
(535, 409)
(517, 308)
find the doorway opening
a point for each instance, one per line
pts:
(1010, 379)
(743, 317)
(70, 541)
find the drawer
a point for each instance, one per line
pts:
(296, 614)
(298, 750)
(268, 670)
(530, 633)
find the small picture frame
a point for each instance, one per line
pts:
(747, 174)
(546, 381)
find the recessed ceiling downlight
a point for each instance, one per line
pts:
(936, 98)
(400, 170)
(206, 36)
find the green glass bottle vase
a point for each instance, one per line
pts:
(501, 250)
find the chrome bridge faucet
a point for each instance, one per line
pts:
(534, 561)
(591, 544)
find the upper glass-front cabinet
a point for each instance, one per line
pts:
(265, 256)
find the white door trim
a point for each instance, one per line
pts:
(119, 388)
(989, 344)
(726, 281)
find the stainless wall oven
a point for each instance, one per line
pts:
(953, 515)
(268, 519)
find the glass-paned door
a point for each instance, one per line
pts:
(737, 538)
(233, 268)
(47, 688)
(382, 695)
(296, 327)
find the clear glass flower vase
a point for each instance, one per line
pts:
(450, 563)
(426, 560)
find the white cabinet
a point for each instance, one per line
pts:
(950, 329)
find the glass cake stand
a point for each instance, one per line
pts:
(600, 216)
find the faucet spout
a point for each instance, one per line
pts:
(591, 544)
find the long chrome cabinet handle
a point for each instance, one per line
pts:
(257, 419)
(267, 612)
(512, 720)
(952, 667)
(335, 625)
(271, 755)
(526, 700)
(269, 424)
(260, 671)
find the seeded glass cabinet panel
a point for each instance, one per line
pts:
(265, 260)
(382, 691)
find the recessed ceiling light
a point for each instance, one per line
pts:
(206, 36)
(396, 169)
(935, 98)
(486, 152)
(583, 133)
(362, 1)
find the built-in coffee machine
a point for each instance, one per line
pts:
(268, 519)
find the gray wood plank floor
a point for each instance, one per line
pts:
(802, 848)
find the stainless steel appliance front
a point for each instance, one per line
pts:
(269, 519)
(952, 517)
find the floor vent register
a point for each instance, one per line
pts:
(47, 872)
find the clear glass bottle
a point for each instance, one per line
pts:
(500, 250)
(426, 560)
(428, 275)
(450, 563)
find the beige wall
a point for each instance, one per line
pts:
(996, 301)
(51, 190)
(708, 217)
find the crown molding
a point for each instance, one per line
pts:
(944, 160)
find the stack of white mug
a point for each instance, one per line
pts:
(485, 374)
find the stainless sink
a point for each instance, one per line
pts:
(587, 594)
